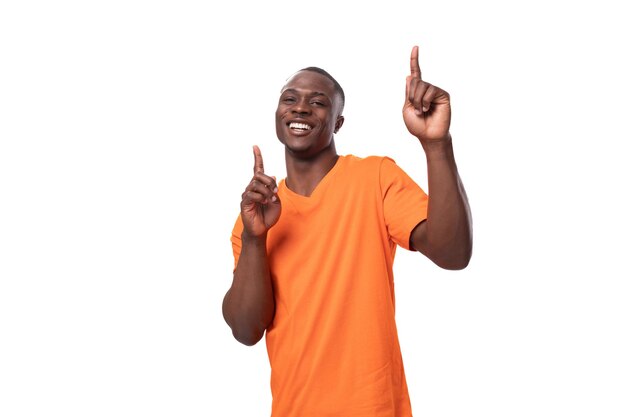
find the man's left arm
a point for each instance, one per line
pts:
(446, 236)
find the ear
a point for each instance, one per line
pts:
(338, 123)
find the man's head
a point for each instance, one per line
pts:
(309, 111)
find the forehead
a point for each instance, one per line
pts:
(308, 81)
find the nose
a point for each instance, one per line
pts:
(302, 107)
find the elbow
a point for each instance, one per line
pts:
(243, 331)
(460, 254)
(247, 323)
(454, 265)
(248, 338)
(455, 261)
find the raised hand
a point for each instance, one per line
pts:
(426, 108)
(260, 205)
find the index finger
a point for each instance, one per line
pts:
(258, 160)
(415, 65)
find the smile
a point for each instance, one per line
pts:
(299, 126)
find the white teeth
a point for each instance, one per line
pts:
(301, 126)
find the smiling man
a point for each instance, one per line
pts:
(314, 253)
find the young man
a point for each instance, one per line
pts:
(314, 254)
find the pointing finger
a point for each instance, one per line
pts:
(258, 160)
(415, 65)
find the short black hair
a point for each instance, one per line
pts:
(335, 84)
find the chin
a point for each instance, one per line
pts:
(298, 149)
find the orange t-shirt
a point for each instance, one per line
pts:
(333, 344)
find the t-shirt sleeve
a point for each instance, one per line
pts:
(405, 204)
(235, 239)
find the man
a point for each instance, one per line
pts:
(314, 254)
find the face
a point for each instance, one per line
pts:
(308, 114)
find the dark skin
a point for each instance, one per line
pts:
(307, 117)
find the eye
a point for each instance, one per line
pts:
(288, 100)
(318, 103)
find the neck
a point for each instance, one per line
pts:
(304, 174)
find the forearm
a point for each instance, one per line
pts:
(248, 306)
(448, 230)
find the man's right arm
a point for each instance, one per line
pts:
(248, 306)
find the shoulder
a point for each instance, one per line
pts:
(380, 166)
(368, 163)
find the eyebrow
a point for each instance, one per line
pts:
(313, 94)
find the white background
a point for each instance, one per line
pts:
(126, 130)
